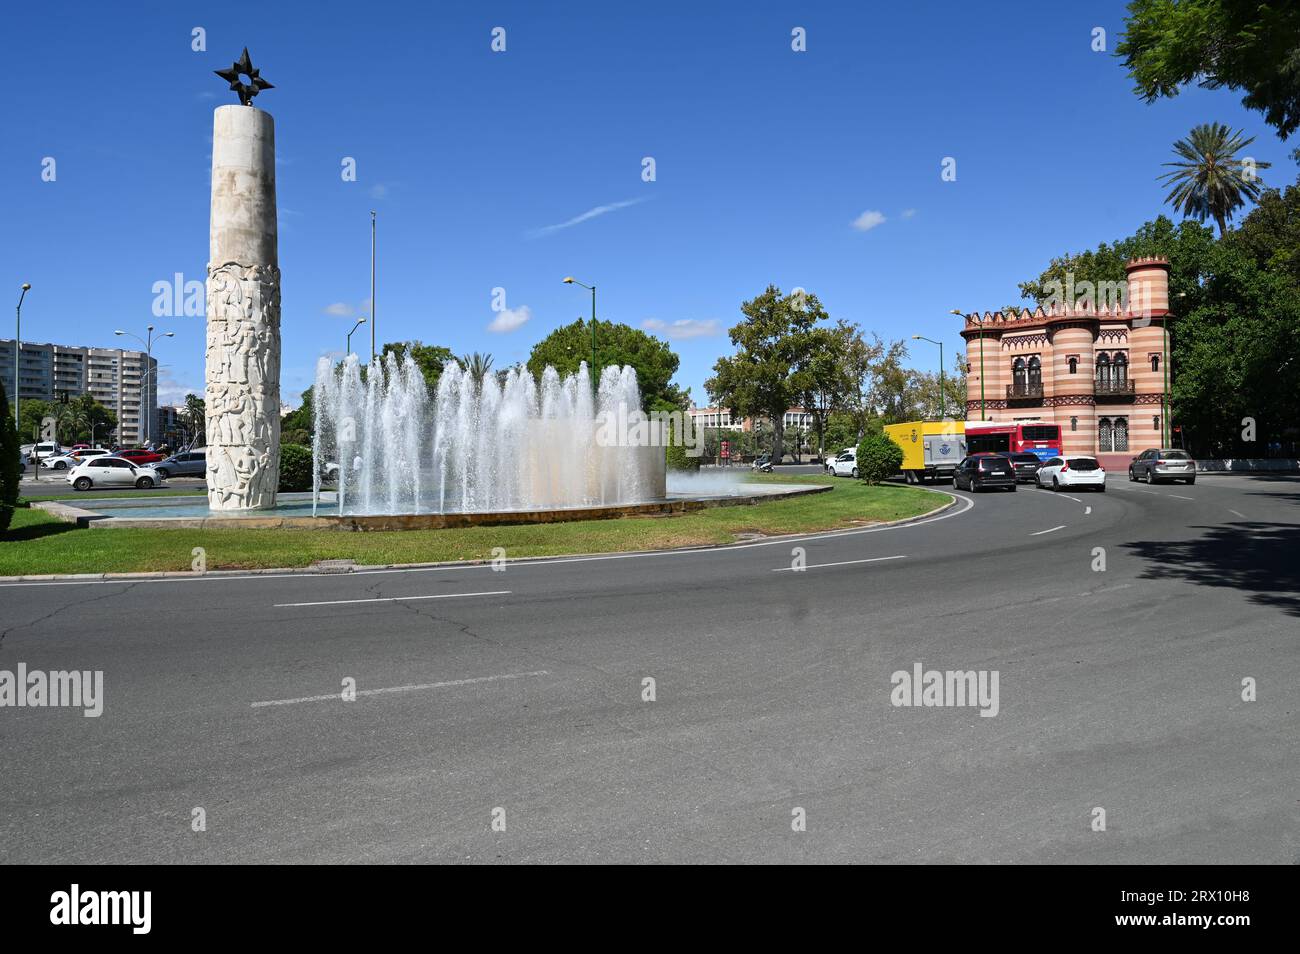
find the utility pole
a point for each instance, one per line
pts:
(372, 286)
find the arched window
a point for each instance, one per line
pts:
(1035, 373)
(1120, 371)
(1155, 362)
(1103, 372)
(1074, 365)
(1018, 375)
(1112, 435)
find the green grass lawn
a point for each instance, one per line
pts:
(37, 543)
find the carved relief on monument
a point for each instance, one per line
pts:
(243, 385)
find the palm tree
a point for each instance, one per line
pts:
(1213, 182)
(476, 364)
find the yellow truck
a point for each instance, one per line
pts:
(931, 449)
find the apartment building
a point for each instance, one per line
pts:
(125, 382)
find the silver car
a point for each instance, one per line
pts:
(1163, 463)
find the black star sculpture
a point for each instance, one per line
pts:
(244, 67)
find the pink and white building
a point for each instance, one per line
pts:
(1095, 369)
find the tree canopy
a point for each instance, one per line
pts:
(655, 362)
(1243, 45)
(775, 365)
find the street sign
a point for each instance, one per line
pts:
(726, 450)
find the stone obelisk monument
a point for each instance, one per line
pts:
(243, 347)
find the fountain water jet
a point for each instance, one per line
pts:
(480, 445)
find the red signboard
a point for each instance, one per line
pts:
(726, 449)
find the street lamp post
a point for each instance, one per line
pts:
(18, 347)
(954, 311)
(372, 286)
(573, 281)
(148, 351)
(943, 399)
(360, 321)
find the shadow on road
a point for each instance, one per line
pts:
(1254, 558)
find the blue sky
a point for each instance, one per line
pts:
(764, 160)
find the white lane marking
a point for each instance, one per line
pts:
(1180, 496)
(1086, 511)
(1053, 530)
(815, 566)
(395, 599)
(335, 696)
(964, 504)
(1057, 493)
(1236, 513)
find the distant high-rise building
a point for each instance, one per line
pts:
(125, 382)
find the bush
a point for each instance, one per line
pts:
(676, 455)
(878, 458)
(295, 467)
(9, 472)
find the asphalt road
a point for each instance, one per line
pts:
(522, 691)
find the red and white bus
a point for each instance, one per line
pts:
(1039, 438)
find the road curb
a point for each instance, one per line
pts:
(317, 570)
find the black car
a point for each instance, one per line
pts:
(979, 471)
(1025, 463)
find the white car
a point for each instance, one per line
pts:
(44, 450)
(72, 458)
(113, 472)
(845, 464)
(1072, 471)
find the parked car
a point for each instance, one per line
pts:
(1025, 464)
(140, 455)
(44, 450)
(845, 464)
(72, 458)
(187, 464)
(980, 471)
(1162, 463)
(1081, 471)
(113, 471)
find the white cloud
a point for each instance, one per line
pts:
(683, 328)
(172, 391)
(908, 213)
(589, 214)
(868, 220)
(509, 319)
(340, 309)
(379, 191)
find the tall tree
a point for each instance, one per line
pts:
(1211, 182)
(655, 362)
(773, 367)
(1243, 45)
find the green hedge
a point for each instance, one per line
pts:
(295, 467)
(879, 458)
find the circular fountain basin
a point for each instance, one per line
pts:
(294, 511)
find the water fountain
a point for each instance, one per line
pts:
(497, 443)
